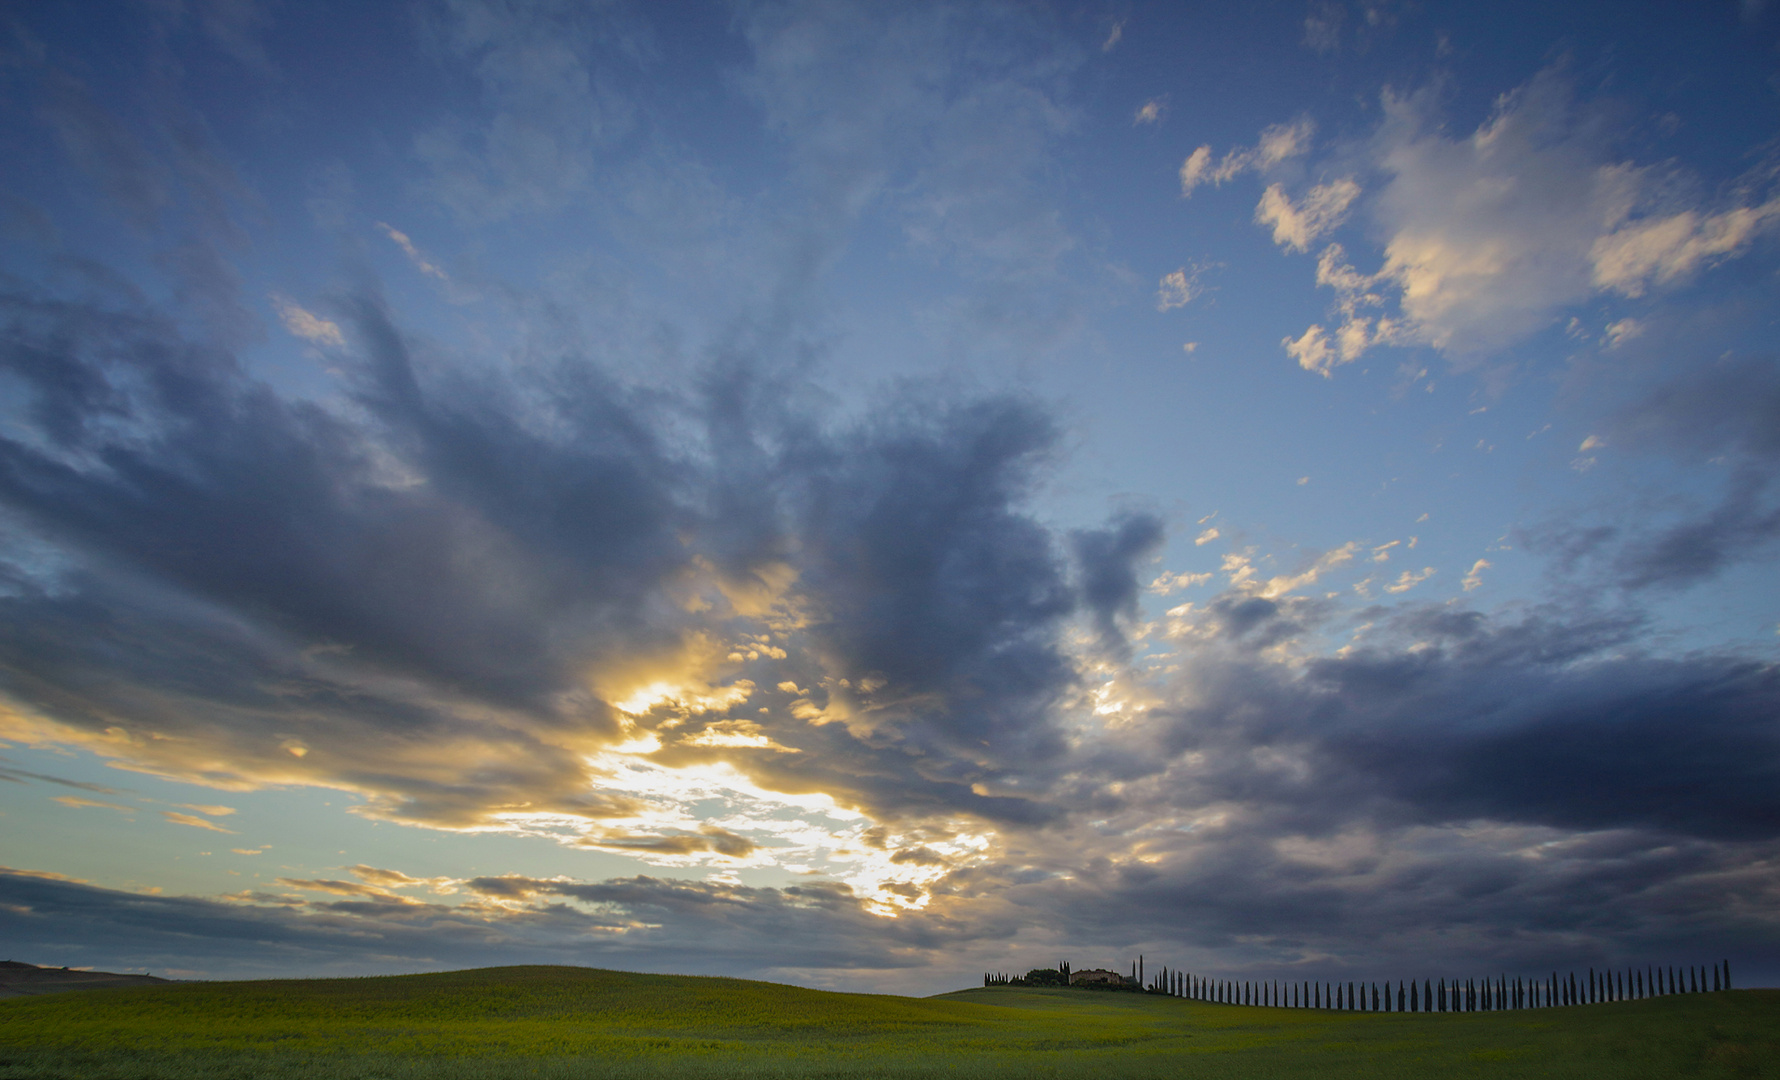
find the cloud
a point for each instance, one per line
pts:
(77, 802)
(1178, 289)
(194, 821)
(1322, 27)
(1621, 331)
(1744, 524)
(1488, 237)
(702, 927)
(19, 776)
(1171, 581)
(1107, 560)
(1724, 413)
(549, 107)
(1151, 112)
(1297, 227)
(909, 113)
(444, 608)
(420, 261)
(1658, 250)
(302, 324)
(1474, 577)
(340, 888)
(1241, 571)
(1277, 144)
(1409, 579)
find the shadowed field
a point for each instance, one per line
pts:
(552, 1022)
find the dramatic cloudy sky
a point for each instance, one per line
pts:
(862, 494)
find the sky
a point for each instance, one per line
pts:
(862, 495)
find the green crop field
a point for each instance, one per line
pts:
(551, 1022)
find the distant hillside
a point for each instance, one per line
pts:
(23, 980)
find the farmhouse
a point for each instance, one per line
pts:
(1096, 976)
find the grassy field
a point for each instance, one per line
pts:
(550, 1022)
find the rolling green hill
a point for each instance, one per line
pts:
(552, 1022)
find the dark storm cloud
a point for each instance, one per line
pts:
(19, 776)
(1728, 413)
(1107, 561)
(932, 593)
(1731, 410)
(1459, 789)
(429, 566)
(628, 922)
(1455, 717)
(1745, 524)
(1728, 407)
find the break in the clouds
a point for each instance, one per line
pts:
(824, 491)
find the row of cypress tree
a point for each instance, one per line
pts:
(1467, 995)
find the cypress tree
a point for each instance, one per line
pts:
(1715, 976)
(1400, 998)
(1693, 979)
(1727, 974)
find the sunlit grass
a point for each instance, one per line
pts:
(550, 1022)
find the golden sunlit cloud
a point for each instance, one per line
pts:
(79, 803)
(195, 822)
